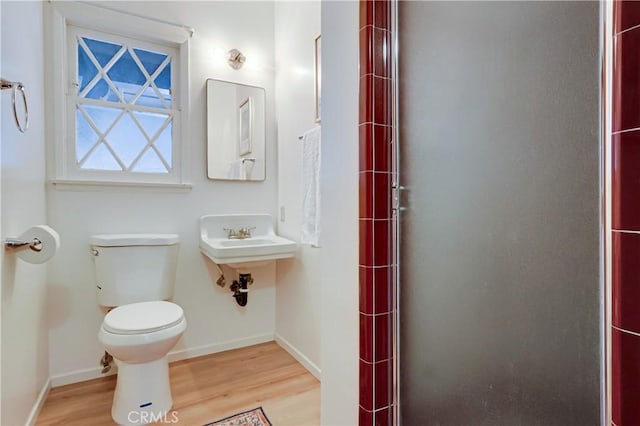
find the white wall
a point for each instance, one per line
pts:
(299, 290)
(339, 266)
(215, 322)
(25, 368)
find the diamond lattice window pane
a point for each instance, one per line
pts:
(149, 163)
(102, 117)
(164, 144)
(101, 159)
(86, 70)
(101, 90)
(150, 60)
(163, 82)
(150, 122)
(86, 138)
(101, 50)
(151, 99)
(126, 140)
(127, 77)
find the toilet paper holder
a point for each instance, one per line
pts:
(17, 245)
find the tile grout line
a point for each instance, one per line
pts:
(375, 410)
(628, 29)
(377, 266)
(375, 315)
(375, 362)
(380, 172)
(625, 231)
(626, 331)
(378, 28)
(617, 132)
(373, 123)
(374, 75)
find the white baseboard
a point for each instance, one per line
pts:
(219, 347)
(80, 376)
(37, 406)
(299, 356)
(95, 373)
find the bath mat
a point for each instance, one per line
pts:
(255, 417)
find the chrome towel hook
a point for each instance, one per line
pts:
(16, 85)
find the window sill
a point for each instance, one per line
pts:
(90, 185)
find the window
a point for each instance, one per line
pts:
(122, 105)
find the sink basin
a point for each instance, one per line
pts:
(262, 247)
(245, 242)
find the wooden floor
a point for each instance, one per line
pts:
(206, 389)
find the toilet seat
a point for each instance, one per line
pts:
(143, 317)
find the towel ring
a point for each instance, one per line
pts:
(16, 85)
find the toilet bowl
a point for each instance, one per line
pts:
(135, 275)
(139, 336)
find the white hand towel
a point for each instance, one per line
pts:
(311, 187)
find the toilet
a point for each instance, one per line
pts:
(135, 275)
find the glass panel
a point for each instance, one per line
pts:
(86, 70)
(101, 159)
(164, 144)
(126, 140)
(127, 77)
(150, 122)
(103, 51)
(101, 90)
(150, 98)
(150, 163)
(102, 117)
(85, 136)
(500, 302)
(163, 82)
(150, 60)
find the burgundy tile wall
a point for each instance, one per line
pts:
(625, 181)
(625, 378)
(627, 15)
(376, 217)
(625, 220)
(626, 69)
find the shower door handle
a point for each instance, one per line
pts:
(398, 200)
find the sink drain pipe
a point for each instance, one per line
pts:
(240, 289)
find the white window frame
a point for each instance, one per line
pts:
(65, 19)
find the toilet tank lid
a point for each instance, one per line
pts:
(120, 240)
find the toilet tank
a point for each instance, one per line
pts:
(132, 268)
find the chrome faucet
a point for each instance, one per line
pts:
(240, 234)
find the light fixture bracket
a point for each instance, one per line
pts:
(235, 59)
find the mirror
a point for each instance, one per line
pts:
(235, 131)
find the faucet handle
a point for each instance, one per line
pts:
(246, 231)
(230, 232)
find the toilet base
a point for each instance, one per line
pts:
(143, 393)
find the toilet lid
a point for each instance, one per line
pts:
(143, 317)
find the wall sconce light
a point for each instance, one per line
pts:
(235, 59)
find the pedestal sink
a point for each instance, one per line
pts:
(262, 247)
